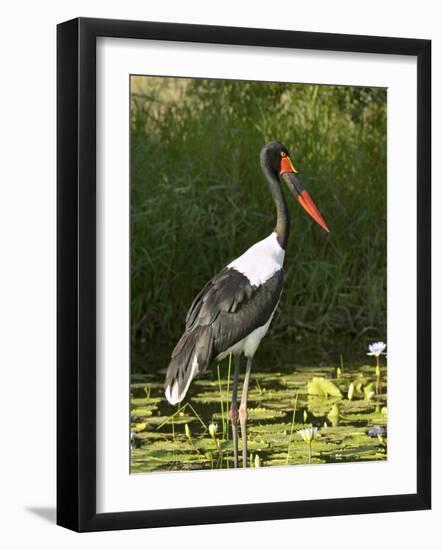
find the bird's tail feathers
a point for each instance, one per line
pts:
(190, 356)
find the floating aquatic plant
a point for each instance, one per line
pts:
(282, 407)
(140, 427)
(188, 434)
(376, 431)
(369, 391)
(323, 387)
(213, 427)
(308, 435)
(333, 415)
(377, 349)
(212, 430)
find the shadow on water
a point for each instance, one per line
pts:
(332, 393)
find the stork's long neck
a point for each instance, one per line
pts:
(282, 228)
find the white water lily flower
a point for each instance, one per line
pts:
(308, 434)
(213, 429)
(377, 349)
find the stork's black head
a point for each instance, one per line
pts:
(275, 158)
(271, 155)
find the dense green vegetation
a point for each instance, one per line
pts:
(199, 199)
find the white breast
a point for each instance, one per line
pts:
(261, 261)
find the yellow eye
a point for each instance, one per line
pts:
(283, 154)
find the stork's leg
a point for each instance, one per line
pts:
(234, 411)
(243, 412)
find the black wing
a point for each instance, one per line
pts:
(232, 307)
(226, 310)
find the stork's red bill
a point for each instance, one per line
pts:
(289, 175)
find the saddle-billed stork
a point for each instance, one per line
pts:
(233, 312)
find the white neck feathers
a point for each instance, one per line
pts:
(261, 261)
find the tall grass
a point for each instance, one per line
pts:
(199, 199)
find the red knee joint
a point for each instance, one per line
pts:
(234, 414)
(243, 413)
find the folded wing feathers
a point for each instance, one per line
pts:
(226, 310)
(224, 293)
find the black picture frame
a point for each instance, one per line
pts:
(76, 273)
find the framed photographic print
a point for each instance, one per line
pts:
(243, 274)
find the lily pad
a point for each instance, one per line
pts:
(320, 406)
(284, 427)
(144, 401)
(263, 414)
(168, 421)
(143, 411)
(323, 388)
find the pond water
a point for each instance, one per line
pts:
(339, 399)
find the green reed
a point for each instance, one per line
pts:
(198, 199)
